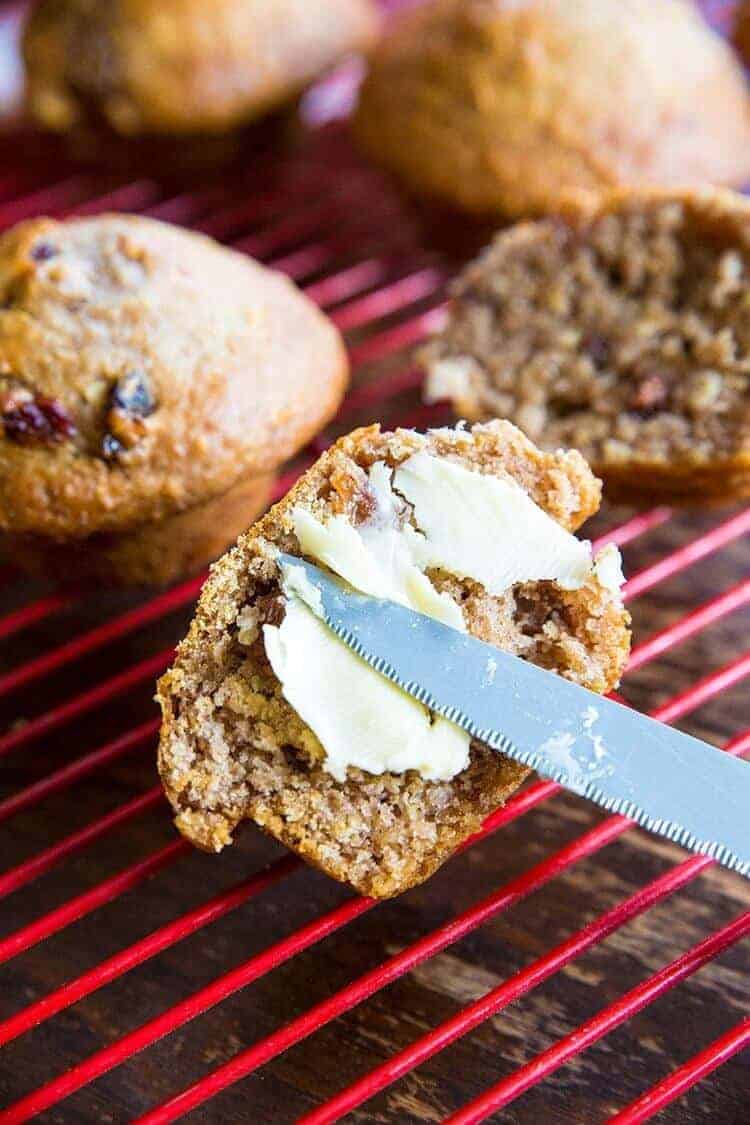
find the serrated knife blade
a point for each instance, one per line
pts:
(668, 782)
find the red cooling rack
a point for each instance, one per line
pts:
(340, 231)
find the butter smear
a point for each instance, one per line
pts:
(465, 524)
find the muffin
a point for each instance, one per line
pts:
(620, 328)
(741, 30)
(497, 106)
(375, 791)
(151, 381)
(181, 66)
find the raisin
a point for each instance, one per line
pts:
(271, 609)
(43, 251)
(132, 394)
(40, 420)
(597, 348)
(129, 402)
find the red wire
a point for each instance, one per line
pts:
(678, 1083)
(79, 907)
(148, 947)
(67, 775)
(247, 1061)
(594, 1029)
(42, 862)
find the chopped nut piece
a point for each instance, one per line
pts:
(705, 389)
(130, 403)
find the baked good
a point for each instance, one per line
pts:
(147, 375)
(153, 554)
(497, 106)
(181, 66)
(741, 30)
(620, 328)
(233, 747)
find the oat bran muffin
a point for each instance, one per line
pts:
(150, 383)
(620, 328)
(497, 106)
(741, 30)
(232, 748)
(181, 66)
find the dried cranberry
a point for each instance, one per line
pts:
(43, 251)
(597, 348)
(41, 420)
(132, 394)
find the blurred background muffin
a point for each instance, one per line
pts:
(181, 66)
(498, 106)
(741, 30)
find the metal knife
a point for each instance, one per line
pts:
(668, 782)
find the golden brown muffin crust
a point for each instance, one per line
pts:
(741, 30)
(232, 748)
(144, 370)
(182, 66)
(154, 554)
(498, 106)
(621, 328)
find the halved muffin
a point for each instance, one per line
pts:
(379, 794)
(620, 328)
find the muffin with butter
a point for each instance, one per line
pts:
(151, 381)
(269, 718)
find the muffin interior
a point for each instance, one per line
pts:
(625, 337)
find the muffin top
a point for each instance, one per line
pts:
(498, 105)
(144, 369)
(182, 66)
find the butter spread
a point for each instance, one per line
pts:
(481, 527)
(464, 523)
(359, 717)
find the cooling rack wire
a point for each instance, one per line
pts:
(335, 227)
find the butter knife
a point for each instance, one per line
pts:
(668, 782)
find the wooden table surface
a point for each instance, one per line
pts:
(586, 1091)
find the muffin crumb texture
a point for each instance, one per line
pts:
(622, 331)
(232, 748)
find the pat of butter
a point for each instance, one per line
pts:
(467, 524)
(360, 717)
(376, 558)
(481, 527)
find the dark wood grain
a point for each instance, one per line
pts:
(585, 1091)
